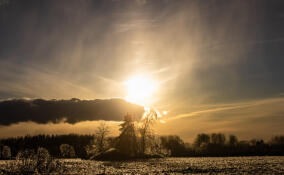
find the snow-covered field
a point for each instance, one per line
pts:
(213, 165)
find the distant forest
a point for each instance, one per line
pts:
(136, 140)
(204, 145)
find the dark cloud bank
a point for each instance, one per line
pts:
(74, 110)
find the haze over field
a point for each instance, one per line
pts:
(205, 65)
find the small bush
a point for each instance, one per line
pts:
(67, 151)
(29, 162)
(6, 152)
(25, 162)
(43, 160)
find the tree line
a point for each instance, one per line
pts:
(217, 144)
(137, 140)
(55, 144)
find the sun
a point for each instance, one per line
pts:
(141, 89)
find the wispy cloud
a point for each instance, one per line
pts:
(227, 107)
(250, 119)
(135, 24)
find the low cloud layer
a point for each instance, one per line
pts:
(70, 111)
(32, 128)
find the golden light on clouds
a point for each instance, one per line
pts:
(166, 55)
(141, 89)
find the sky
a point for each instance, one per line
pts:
(217, 65)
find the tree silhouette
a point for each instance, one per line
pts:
(217, 139)
(127, 140)
(233, 140)
(202, 139)
(147, 121)
(101, 137)
(174, 144)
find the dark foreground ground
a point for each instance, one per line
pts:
(209, 165)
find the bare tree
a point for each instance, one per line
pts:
(202, 140)
(218, 139)
(101, 137)
(145, 130)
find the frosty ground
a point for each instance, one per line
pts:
(213, 165)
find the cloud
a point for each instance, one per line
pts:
(248, 119)
(4, 2)
(69, 111)
(141, 2)
(204, 52)
(224, 60)
(228, 107)
(32, 128)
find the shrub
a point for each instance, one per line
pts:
(26, 162)
(43, 160)
(29, 162)
(6, 152)
(67, 151)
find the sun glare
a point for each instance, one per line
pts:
(140, 89)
